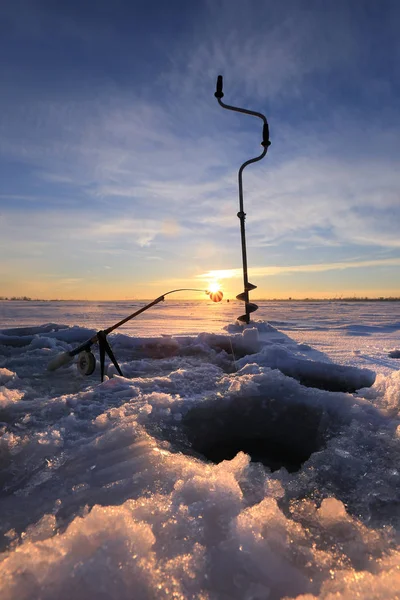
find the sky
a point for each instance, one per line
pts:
(118, 168)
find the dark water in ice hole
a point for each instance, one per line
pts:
(277, 434)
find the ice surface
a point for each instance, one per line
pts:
(105, 488)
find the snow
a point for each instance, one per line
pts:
(143, 486)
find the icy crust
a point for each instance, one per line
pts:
(277, 351)
(386, 393)
(103, 494)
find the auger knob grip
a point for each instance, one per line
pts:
(219, 93)
(265, 141)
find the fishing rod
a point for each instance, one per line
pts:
(249, 306)
(86, 359)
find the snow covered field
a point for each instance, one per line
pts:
(143, 486)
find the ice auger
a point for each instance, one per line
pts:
(244, 296)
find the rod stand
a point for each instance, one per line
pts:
(105, 348)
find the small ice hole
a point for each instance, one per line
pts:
(273, 433)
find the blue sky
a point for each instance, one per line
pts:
(118, 169)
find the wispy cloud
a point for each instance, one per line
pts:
(311, 268)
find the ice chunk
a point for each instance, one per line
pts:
(6, 375)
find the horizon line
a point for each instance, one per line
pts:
(274, 299)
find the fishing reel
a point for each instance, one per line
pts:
(86, 362)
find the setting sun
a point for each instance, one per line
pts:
(215, 292)
(214, 287)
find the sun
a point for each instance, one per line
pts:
(214, 291)
(214, 287)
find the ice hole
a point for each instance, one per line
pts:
(275, 433)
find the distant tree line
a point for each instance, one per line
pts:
(26, 298)
(22, 298)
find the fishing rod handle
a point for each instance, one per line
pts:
(66, 357)
(61, 359)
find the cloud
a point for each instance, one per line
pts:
(353, 201)
(147, 174)
(312, 268)
(266, 50)
(42, 230)
(12, 197)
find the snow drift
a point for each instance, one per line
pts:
(209, 472)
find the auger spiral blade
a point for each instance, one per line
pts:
(242, 318)
(250, 307)
(242, 297)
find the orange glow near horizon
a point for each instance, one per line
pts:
(113, 289)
